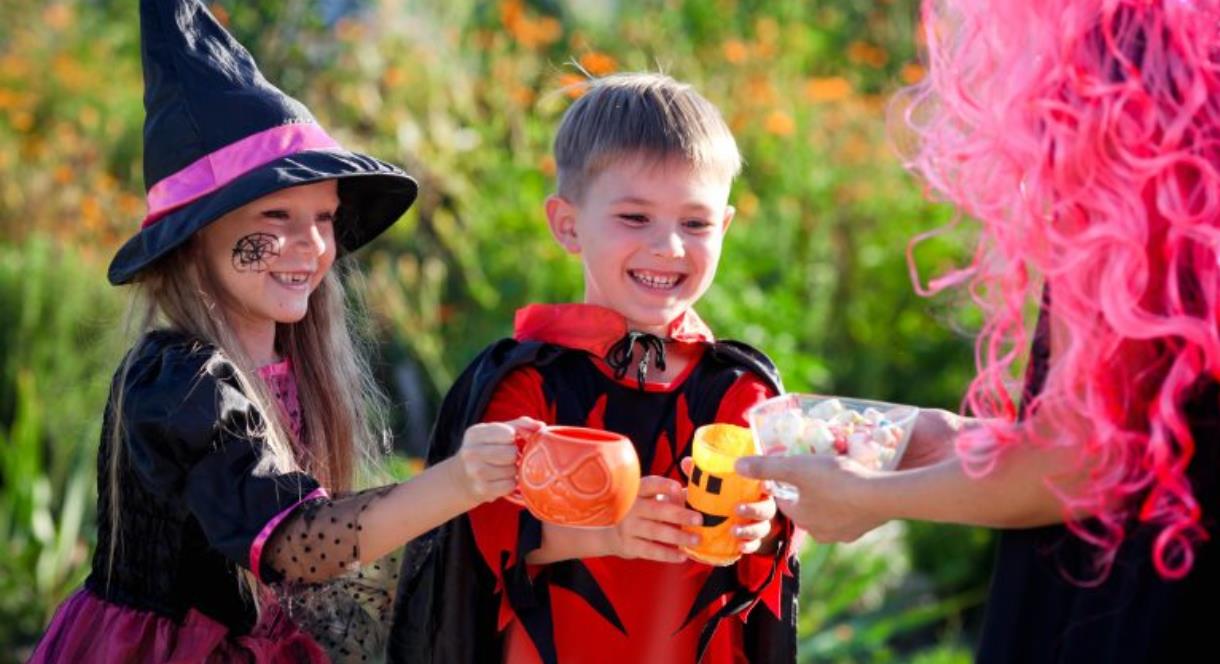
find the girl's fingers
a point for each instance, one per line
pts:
(524, 425)
(494, 473)
(497, 454)
(499, 488)
(489, 432)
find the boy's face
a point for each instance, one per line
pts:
(649, 236)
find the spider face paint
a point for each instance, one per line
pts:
(254, 252)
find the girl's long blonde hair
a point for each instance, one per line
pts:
(342, 408)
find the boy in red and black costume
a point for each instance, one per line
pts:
(645, 165)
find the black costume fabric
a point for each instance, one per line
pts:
(1040, 608)
(453, 607)
(198, 504)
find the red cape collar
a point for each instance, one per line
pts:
(593, 328)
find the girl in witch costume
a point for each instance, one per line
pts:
(236, 420)
(645, 165)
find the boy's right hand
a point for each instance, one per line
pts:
(653, 528)
(486, 464)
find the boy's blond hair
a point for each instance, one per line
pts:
(640, 114)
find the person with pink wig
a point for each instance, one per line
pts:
(1083, 136)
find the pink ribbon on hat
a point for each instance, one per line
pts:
(215, 170)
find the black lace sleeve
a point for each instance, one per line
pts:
(313, 561)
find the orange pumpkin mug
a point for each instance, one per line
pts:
(576, 476)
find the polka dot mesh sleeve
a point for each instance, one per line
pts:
(313, 563)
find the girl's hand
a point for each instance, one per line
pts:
(485, 467)
(653, 528)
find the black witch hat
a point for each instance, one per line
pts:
(217, 135)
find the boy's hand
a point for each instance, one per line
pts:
(486, 465)
(755, 528)
(755, 518)
(653, 528)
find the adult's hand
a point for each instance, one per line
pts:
(933, 438)
(830, 487)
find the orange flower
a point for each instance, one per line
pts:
(69, 72)
(747, 205)
(735, 51)
(549, 30)
(130, 205)
(739, 122)
(547, 165)
(63, 174)
(779, 123)
(14, 66)
(511, 13)
(863, 53)
(91, 212)
(22, 121)
(598, 64)
(522, 95)
(912, 73)
(221, 14)
(394, 77)
(573, 85)
(58, 16)
(760, 91)
(834, 88)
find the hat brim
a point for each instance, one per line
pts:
(373, 193)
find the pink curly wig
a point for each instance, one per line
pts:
(1083, 136)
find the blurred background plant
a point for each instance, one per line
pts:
(467, 94)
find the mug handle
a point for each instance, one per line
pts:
(515, 497)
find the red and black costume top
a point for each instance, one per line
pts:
(466, 593)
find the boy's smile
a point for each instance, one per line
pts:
(649, 235)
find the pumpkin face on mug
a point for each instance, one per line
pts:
(714, 490)
(575, 476)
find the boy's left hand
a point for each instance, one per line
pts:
(754, 533)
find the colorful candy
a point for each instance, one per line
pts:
(869, 437)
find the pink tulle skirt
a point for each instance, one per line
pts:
(88, 629)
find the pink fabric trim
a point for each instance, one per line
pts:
(256, 549)
(279, 377)
(221, 167)
(280, 368)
